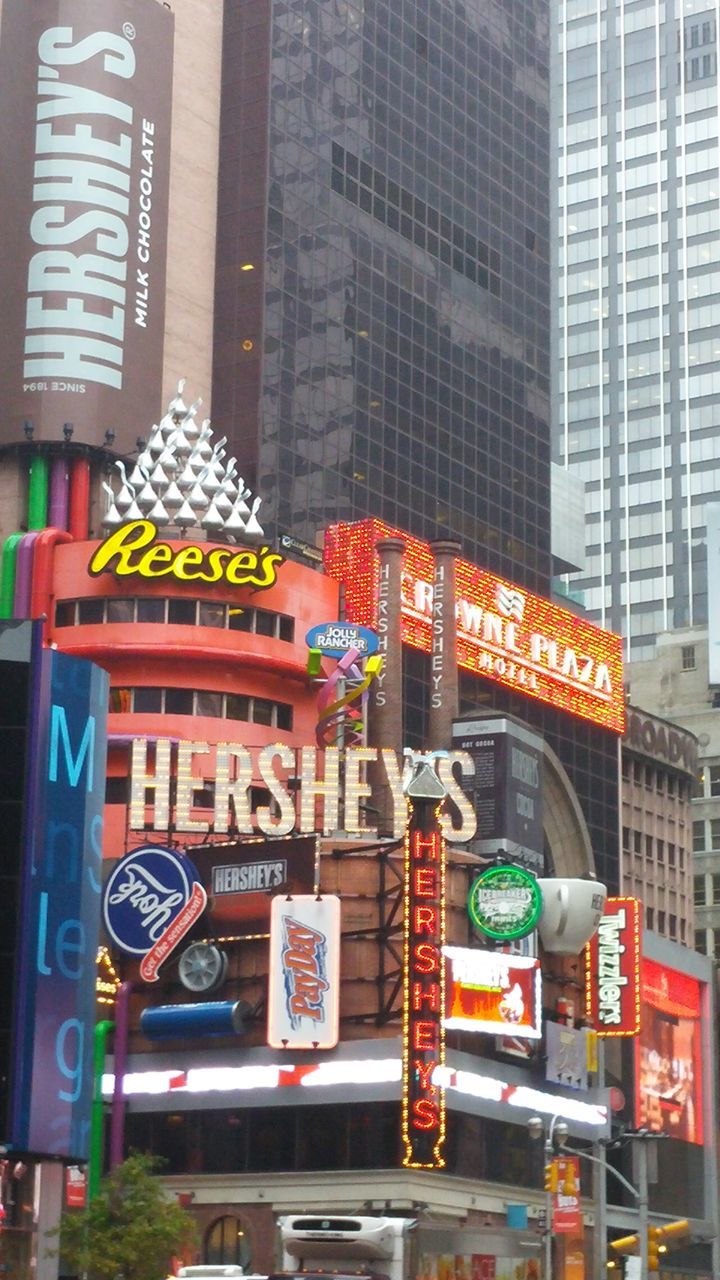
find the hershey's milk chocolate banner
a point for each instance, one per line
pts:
(85, 108)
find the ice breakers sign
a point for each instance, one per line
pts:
(151, 900)
(76, 302)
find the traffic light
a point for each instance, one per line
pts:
(653, 1241)
(626, 1244)
(675, 1230)
(656, 1237)
(570, 1186)
(552, 1176)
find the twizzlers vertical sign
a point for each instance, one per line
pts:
(423, 1104)
(612, 970)
(85, 102)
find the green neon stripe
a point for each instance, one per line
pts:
(38, 493)
(8, 565)
(102, 1031)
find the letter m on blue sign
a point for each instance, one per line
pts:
(60, 735)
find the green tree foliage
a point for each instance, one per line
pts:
(130, 1229)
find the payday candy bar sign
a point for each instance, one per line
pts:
(303, 1000)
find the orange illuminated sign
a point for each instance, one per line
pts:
(135, 549)
(518, 639)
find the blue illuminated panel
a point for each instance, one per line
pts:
(54, 1011)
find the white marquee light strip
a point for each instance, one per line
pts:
(202, 1080)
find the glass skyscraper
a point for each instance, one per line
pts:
(382, 325)
(638, 245)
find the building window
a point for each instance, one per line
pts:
(661, 851)
(178, 702)
(119, 609)
(698, 836)
(713, 775)
(649, 918)
(715, 833)
(182, 612)
(671, 854)
(716, 943)
(90, 612)
(188, 702)
(661, 921)
(688, 657)
(120, 701)
(701, 942)
(65, 613)
(716, 888)
(178, 611)
(209, 704)
(637, 841)
(151, 609)
(211, 614)
(648, 847)
(237, 706)
(699, 890)
(147, 700)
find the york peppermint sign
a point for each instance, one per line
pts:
(151, 900)
(85, 93)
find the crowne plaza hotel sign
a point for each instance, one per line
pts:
(508, 635)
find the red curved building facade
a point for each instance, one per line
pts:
(189, 660)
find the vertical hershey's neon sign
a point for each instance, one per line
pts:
(423, 1104)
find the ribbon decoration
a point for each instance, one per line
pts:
(339, 714)
(174, 934)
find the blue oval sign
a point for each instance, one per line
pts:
(337, 638)
(145, 893)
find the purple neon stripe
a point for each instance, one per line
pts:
(23, 575)
(59, 494)
(22, 1012)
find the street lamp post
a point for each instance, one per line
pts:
(556, 1136)
(640, 1193)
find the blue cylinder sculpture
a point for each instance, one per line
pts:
(176, 1021)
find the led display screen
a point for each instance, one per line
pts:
(668, 1054)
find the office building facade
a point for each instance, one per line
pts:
(381, 322)
(638, 229)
